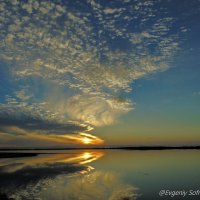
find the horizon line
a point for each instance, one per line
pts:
(160, 147)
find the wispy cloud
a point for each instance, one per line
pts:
(196, 93)
(79, 64)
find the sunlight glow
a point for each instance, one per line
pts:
(86, 155)
(80, 138)
(90, 139)
(86, 140)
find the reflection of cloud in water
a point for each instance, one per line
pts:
(61, 176)
(78, 158)
(21, 178)
(97, 185)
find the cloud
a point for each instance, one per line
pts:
(113, 10)
(26, 125)
(21, 94)
(96, 110)
(27, 121)
(78, 60)
(196, 93)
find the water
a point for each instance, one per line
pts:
(101, 175)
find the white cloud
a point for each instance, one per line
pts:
(22, 94)
(113, 10)
(78, 56)
(197, 93)
(95, 110)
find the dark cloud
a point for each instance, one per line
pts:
(29, 122)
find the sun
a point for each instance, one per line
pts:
(86, 140)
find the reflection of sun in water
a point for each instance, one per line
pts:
(86, 155)
(86, 140)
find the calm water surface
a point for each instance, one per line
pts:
(101, 175)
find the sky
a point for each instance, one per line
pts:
(97, 72)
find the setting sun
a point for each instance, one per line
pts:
(86, 140)
(90, 139)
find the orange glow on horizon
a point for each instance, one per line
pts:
(86, 140)
(90, 139)
(79, 138)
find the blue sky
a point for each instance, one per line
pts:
(94, 72)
